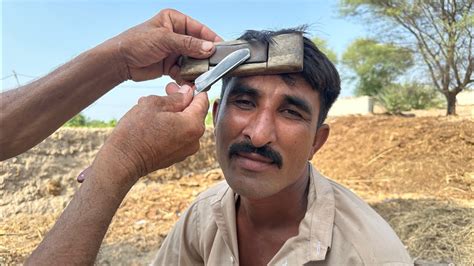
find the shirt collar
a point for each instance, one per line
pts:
(321, 207)
(223, 209)
(315, 230)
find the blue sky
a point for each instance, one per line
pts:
(38, 36)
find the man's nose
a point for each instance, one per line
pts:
(261, 129)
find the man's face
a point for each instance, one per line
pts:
(266, 130)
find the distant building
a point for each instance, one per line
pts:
(363, 105)
(465, 98)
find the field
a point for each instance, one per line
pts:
(417, 172)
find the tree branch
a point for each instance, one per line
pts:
(430, 68)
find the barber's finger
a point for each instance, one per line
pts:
(188, 45)
(174, 73)
(198, 30)
(198, 107)
(146, 73)
(186, 25)
(169, 62)
(172, 88)
(177, 100)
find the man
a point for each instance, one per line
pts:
(274, 207)
(279, 210)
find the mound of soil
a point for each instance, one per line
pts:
(416, 172)
(43, 179)
(386, 156)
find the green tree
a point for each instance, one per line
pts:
(323, 47)
(78, 120)
(375, 65)
(440, 31)
(404, 97)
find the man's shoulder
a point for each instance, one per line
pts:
(214, 191)
(355, 222)
(209, 196)
(352, 207)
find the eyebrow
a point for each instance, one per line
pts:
(242, 89)
(298, 103)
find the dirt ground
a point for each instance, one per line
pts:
(417, 172)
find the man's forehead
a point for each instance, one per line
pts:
(294, 82)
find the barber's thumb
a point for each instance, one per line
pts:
(177, 100)
(190, 46)
(199, 106)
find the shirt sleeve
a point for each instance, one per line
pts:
(180, 246)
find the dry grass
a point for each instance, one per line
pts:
(432, 230)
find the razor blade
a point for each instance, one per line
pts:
(283, 55)
(227, 64)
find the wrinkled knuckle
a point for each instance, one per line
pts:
(168, 11)
(149, 100)
(164, 12)
(197, 131)
(201, 129)
(142, 100)
(154, 99)
(188, 42)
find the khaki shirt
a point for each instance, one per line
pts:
(337, 229)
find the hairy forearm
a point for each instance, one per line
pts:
(77, 235)
(31, 113)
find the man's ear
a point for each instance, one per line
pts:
(215, 111)
(322, 134)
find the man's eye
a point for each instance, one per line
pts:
(244, 104)
(292, 113)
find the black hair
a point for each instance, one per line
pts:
(318, 70)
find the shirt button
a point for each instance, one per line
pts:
(318, 248)
(232, 259)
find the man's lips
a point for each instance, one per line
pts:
(255, 157)
(253, 162)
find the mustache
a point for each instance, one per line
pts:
(265, 151)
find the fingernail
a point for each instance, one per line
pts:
(207, 46)
(184, 89)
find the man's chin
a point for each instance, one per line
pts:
(248, 191)
(249, 185)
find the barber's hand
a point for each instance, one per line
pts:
(154, 134)
(151, 49)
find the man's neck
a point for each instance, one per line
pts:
(264, 225)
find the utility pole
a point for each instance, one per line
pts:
(16, 78)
